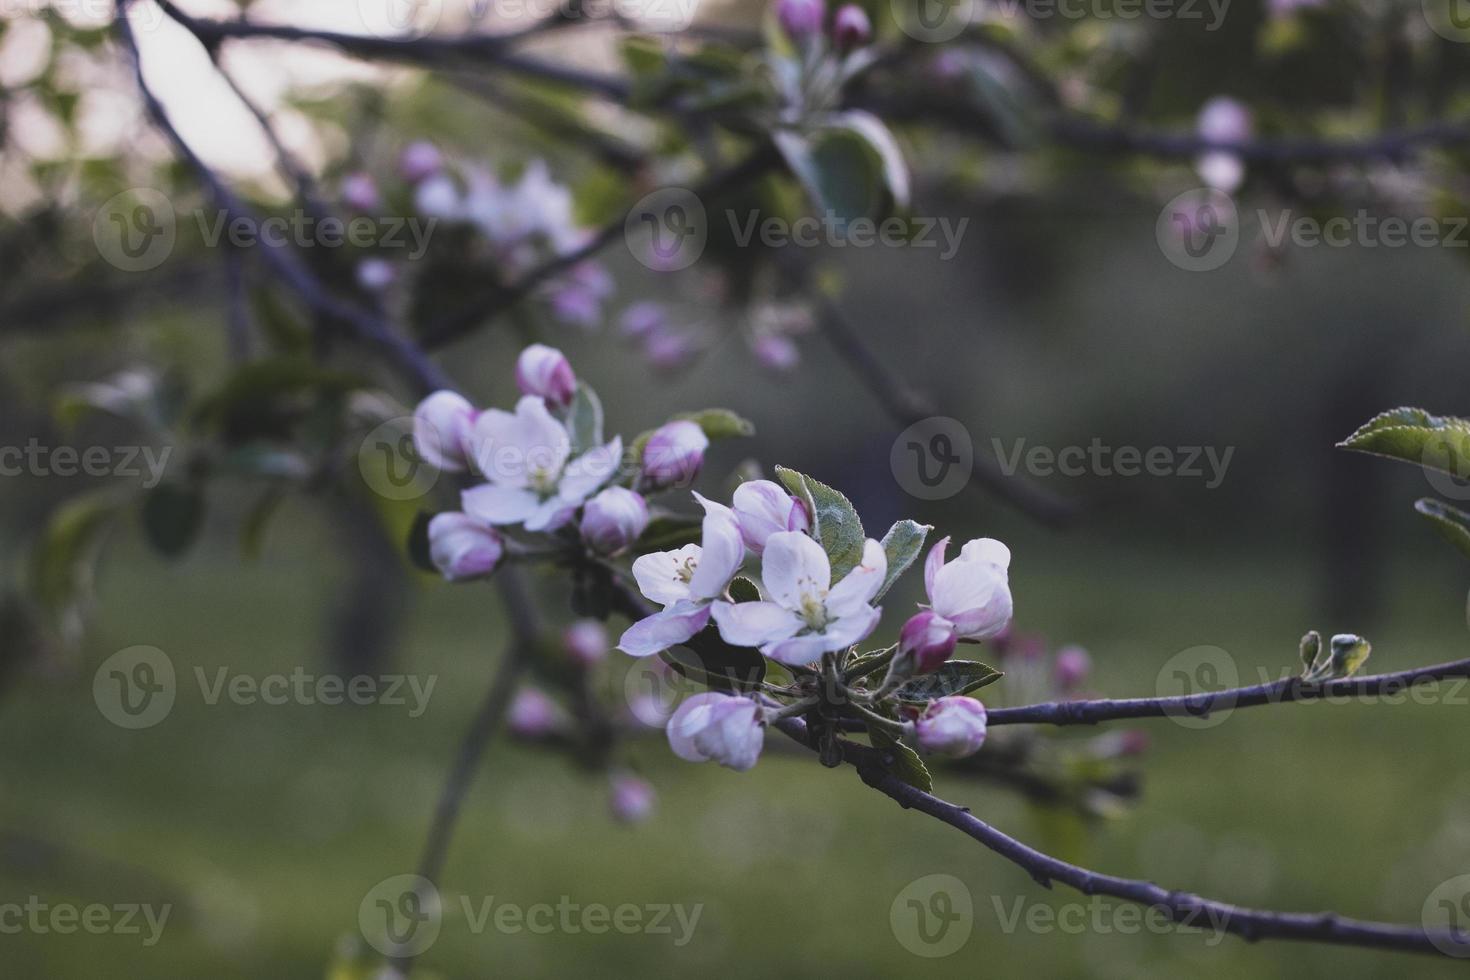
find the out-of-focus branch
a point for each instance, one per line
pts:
(1201, 705)
(1181, 907)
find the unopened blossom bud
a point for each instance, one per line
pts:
(801, 19)
(630, 799)
(674, 453)
(376, 275)
(764, 508)
(419, 160)
(441, 430)
(1072, 667)
(1310, 646)
(668, 350)
(461, 547)
(721, 728)
(360, 192)
(775, 351)
(1223, 120)
(973, 591)
(953, 726)
(1349, 652)
(613, 520)
(851, 27)
(544, 371)
(642, 319)
(533, 715)
(586, 641)
(924, 643)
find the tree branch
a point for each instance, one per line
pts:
(1181, 907)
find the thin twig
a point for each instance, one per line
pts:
(1201, 705)
(1181, 907)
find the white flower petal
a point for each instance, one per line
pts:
(591, 470)
(724, 551)
(794, 566)
(799, 650)
(658, 575)
(933, 564)
(498, 504)
(987, 550)
(751, 624)
(859, 586)
(690, 717)
(665, 629)
(851, 628)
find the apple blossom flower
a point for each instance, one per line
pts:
(972, 593)
(534, 715)
(526, 457)
(545, 371)
(669, 350)
(360, 192)
(801, 19)
(925, 642)
(613, 520)
(685, 582)
(461, 547)
(1071, 668)
(806, 614)
(953, 726)
(764, 508)
(441, 430)
(630, 798)
(851, 27)
(674, 453)
(376, 275)
(721, 728)
(1222, 120)
(586, 641)
(775, 351)
(438, 196)
(643, 318)
(576, 298)
(419, 160)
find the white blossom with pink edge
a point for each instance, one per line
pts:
(973, 592)
(953, 726)
(441, 430)
(721, 728)
(806, 615)
(765, 508)
(533, 481)
(685, 582)
(462, 547)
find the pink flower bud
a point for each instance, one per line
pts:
(927, 640)
(534, 715)
(668, 350)
(674, 454)
(643, 319)
(851, 27)
(721, 728)
(586, 641)
(544, 371)
(630, 799)
(360, 192)
(461, 547)
(376, 275)
(419, 159)
(441, 430)
(613, 520)
(973, 592)
(951, 726)
(801, 19)
(1072, 667)
(777, 352)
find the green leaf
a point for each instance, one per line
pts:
(901, 760)
(953, 678)
(902, 544)
(64, 558)
(584, 420)
(1413, 435)
(720, 423)
(252, 532)
(835, 523)
(850, 165)
(743, 589)
(711, 661)
(172, 516)
(1451, 522)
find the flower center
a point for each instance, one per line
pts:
(684, 571)
(543, 480)
(814, 611)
